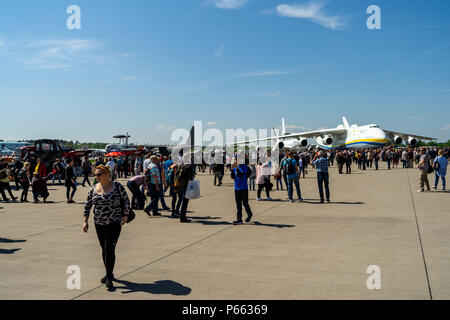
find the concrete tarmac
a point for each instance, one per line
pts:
(295, 250)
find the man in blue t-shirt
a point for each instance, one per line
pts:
(240, 175)
(291, 169)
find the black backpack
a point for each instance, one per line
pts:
(289, 167)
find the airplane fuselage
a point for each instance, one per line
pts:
(357, 137)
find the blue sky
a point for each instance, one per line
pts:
(147, 66)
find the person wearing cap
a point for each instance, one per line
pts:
(153, 180)
(424, 165)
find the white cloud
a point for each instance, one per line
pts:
(313, 12)
(447, 127)
(219, 52)
(129, 78)
(435, 49)
(58, 54)
(229, 4)
(161, 127)
(264, 73)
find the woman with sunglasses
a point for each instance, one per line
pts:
(111, 209)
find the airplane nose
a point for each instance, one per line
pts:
(381, 134)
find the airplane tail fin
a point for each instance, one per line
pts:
(345, 122)
(283, 127)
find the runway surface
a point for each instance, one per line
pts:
(290, 250)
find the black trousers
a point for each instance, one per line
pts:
(86, 178)
(137, 195)
(348, 168)
(74, 189)
(108, 236)
(260, 188)
(341, 167)
(241, 197)
(24, 195)
(3, 186)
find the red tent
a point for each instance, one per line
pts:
(115, 154)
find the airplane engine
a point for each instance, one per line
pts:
(303, 142)
(280, 145)
(412, 141)
(328, 140)
(398, 140)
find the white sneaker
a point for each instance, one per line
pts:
(259, 199)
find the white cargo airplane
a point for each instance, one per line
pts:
(343, 136)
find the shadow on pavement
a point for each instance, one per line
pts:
(158, 287)
(8, 251)
(3, 240)
(256, 223)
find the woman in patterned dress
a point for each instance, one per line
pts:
(111, 209)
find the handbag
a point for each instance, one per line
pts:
(193, 189)
(430, 168)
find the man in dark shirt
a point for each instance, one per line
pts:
(70, 181)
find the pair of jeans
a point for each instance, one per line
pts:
(280, 182)
(251, 183)
(154, 195)
(108, 235)
(241, 197)
(323, 179)
(161, 196)
(218, 176)
(291, 182)
(137, 196)
(74, 189)
(56, 176)
(436, 181)
(182, 203)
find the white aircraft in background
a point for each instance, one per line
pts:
(343, 136)
(8, 148)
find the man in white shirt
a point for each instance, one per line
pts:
(146, 163)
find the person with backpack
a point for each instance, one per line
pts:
(184, 174)
(240, 174)
(440, 164)
(291, 168)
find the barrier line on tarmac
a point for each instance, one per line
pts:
(420, 238)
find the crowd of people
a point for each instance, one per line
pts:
(154, 176)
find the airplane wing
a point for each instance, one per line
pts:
(307, 134)
(405, 136)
